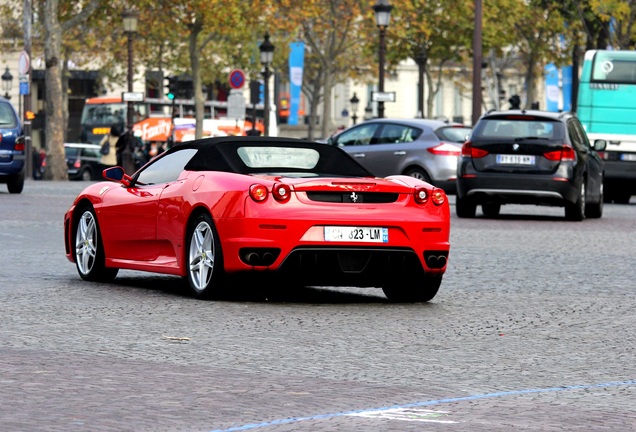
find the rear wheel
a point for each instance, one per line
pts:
(491, 210)
(410, 292)
(418, 174)
(89, 250)
(576, 211)
(87, 174)
(16, 184)
(465, 208)
(205, 259)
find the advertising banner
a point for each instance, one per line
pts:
(296, 64)
(552, 87)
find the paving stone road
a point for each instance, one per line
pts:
(533, 330)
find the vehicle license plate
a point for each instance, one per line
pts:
(628, 157)
(515, 159)
(357, 234)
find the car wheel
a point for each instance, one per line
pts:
(419, 174)
(409, 292)
(595, 210)
(490, 210)
(87, 174)
(205, 259)
(89, 250)
(16, 184)
(465, 208)
(576, 211)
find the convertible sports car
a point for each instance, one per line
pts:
(282, 211)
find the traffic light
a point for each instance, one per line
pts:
(254, 92)
(261, 92)
(171, 87)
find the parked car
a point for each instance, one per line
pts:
(295, 211)
(530, 157)
(83, 161)
(421, 148)
(12, 148)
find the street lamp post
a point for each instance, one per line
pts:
(382, 11)
(267, 56)
(354, 108)
(130, 27)
(7, 83)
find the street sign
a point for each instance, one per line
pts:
(24, 88)
(132, 96)
(24, 63)
(383, 96)
(236, 105)
(237, 79)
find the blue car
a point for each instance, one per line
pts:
(12, 148)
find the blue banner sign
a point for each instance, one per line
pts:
(296, 64)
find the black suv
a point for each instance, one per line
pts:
(83, 161)
(530, 157)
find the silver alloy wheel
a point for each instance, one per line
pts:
(86, 243)
(201, 256)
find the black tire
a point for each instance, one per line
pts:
(490, 210)
(465, 208)
(87, 174)
(16, 184)
(89, 251)
(411, 292)
(204, 258)
(576, 211)
(418, 173)
(595, 210)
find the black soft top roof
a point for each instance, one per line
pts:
(221, 154)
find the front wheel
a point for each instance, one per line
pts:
(410, 292)
(205, 258)
(89, 250)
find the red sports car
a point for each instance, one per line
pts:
(282, 210)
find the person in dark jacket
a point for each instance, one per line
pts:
(125, 152)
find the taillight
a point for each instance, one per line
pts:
(281, 192)
(469, 151)
(77, 163)
(19, 144)
(258, 192)
(436, 196)
(444, 149)
(566, 153)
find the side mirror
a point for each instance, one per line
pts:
(117, 174)
(599, 144)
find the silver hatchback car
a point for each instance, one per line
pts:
(422, 148)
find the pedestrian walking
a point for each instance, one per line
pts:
(125, 152)
(108, 147)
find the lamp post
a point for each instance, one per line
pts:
(7, 82)
(382, 11)
(267, 56)
(130, 27)
(354, 108)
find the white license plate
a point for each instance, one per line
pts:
(628, 157)
(515, 159)
(357, 234)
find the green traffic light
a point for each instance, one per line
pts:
(170, 96)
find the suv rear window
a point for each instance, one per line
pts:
(519, 128)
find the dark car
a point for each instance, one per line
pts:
(530, 157)
(83, 161)
(422, 148)
(12, 148)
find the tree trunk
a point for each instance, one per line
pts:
(326, 106)
(199, 101)
(55, 125)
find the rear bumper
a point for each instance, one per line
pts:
(521, 189)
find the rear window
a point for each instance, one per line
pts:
(519, 128)
(453, 134)
(7, 116)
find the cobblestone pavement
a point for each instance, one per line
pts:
(532, 330)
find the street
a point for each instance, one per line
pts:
(532, 329)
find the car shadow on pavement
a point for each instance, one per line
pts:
(240, 292)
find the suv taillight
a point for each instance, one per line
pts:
(566, 153)
(469, 151)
